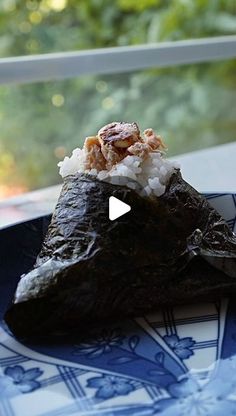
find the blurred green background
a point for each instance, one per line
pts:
(192, 106)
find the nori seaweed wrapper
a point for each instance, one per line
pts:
(167, 250)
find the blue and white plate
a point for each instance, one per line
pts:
(176, 362)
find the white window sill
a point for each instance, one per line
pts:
(210, 170)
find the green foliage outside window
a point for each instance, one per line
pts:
(191, 106)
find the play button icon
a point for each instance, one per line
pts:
(117, 208)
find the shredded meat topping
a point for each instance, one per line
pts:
(111, 155)
(94, 156)
(139, 149)
(119, 134)
(154, 141)
(117, 140)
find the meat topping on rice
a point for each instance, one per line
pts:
(94, 157)
(120, 151)
(155, 142)
(117, 140)
(120, 134)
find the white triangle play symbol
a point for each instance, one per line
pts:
(117, 208)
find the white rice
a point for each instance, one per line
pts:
(73, 164)
(151, 175)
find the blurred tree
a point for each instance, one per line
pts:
(192, 106)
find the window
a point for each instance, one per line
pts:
(192, 106)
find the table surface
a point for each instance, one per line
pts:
(209, 170)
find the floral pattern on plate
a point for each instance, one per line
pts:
(178, 361)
